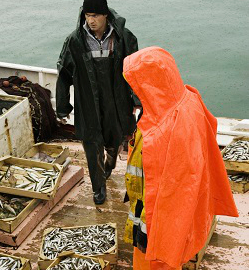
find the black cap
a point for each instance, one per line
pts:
(95, 6)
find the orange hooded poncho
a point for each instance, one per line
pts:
(186, 182)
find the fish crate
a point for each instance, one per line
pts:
(239, 182)
(194, 263)
(233, 151)
(109, 255)
(50, 153)
(16, 132)
(72, 176)
(16, 216)
(105, 265)
(28, 178)
(25, 263)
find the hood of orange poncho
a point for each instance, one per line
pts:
(186, 182)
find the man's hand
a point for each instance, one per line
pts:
(143, 249)
(63, 120)
(136, 108)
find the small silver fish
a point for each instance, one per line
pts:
(9, 208)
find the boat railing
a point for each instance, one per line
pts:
(46, 77)
(228, 128)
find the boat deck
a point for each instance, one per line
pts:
(228, 248)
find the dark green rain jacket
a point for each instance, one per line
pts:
(76, 67)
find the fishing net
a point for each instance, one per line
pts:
(43, 116)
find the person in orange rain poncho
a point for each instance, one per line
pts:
(185, 181)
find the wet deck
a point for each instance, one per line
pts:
(228, 248)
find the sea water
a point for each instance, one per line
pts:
(209, 40)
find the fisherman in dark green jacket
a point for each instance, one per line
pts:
(92, 61)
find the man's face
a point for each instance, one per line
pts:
(95, 21)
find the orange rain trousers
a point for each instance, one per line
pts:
(139, 263)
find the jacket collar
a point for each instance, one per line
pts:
(106, 34)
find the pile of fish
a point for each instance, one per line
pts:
(77, 264)
(238, 151)
(92, 240)
(33, 179)
(237, 178)
(11, 206)
(41, 156)
(8, 263)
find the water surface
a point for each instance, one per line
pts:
(209, 40)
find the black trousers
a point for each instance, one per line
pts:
(98, 162)
(111, 132)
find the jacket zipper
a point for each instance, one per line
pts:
(101, 49)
